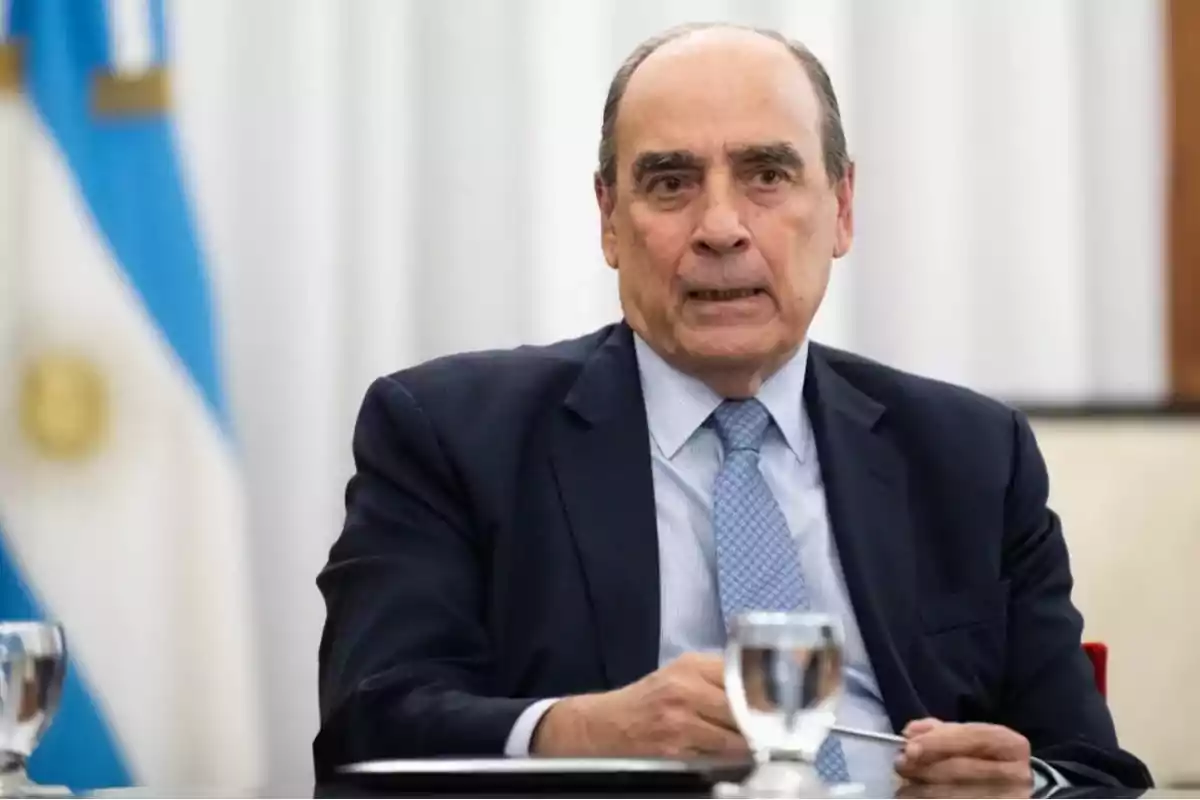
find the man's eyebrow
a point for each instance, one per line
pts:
(780, 154)
(651, 162)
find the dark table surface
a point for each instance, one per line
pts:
(356, 789)
(586, 779)
(351, 789)
(623, 778)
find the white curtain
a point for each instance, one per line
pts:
(383, 181)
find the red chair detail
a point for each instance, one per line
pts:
(1097, 653)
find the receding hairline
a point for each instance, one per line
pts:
(682, 36)
(833, 141)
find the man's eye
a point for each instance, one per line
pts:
(771, 176)
(667, 184)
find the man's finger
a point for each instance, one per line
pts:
(919, 726)
(706, 739)
(967, 770)
(709, 667)
(712, 704)
(972, 739)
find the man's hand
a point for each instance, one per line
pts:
(676, 712)
(964, 753)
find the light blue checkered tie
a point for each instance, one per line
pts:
(758, 562)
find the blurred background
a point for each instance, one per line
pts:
(373, 183)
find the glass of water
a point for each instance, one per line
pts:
(32, 667)
(783, 676)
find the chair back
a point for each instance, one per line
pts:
(1097, 653)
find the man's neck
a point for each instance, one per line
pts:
(735, 381)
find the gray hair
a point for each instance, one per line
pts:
(833, 136)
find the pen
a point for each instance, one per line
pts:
(873, 736)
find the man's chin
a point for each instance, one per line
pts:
(732, 347)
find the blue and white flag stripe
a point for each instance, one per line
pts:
(139, 548)
(80, 750)
(127, 171)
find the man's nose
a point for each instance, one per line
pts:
(720, 232)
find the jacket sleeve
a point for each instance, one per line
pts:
(1050, 692)
(405, 661)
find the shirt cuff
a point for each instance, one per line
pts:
(521, 736)
(1046, 777)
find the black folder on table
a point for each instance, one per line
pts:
(532, 777)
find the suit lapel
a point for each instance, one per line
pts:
(601, 456)
(601, 461)
(865, 487)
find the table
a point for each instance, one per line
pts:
(622, 778)
(336, 789)
(333, 790)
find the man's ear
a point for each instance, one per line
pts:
(845, 213)
(606, 199)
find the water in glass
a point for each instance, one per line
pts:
(32, 667)
(783, 678)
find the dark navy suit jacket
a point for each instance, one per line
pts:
(500, 547)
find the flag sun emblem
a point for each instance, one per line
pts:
(64, 405)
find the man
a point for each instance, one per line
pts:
(543, 546)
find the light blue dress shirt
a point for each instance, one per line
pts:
(685, 458)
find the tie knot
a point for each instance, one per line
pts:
(742, 424)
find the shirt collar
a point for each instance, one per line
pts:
(677, 404)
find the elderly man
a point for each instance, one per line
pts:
(543, 547)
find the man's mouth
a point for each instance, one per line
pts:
(717, 295)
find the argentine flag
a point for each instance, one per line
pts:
(120, 507)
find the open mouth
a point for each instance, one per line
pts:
(718, 295)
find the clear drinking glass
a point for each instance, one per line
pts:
(33, 657)
(783, 676)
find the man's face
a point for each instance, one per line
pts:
(722, 222)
